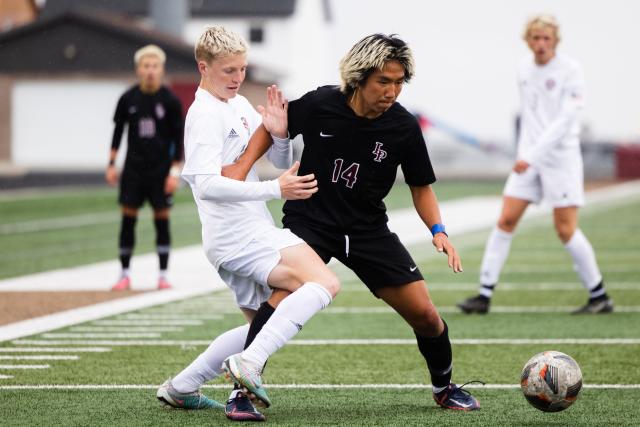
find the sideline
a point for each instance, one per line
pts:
(193, 275)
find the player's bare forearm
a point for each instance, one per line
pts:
(426, 204)
(258, 145)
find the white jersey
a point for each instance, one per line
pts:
(551, 96)
(216, 134)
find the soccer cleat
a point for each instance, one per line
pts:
(163, 284)
(247, 375)
(169, 396)
(240, 408)
(454, 397)
(598, 306)
(478, 304)
(123, 284)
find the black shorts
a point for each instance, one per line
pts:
(378, 258)
(135, 188)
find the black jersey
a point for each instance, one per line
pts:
(354, 159)
(155, 129)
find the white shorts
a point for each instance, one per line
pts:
(246, 273)
(560, 187)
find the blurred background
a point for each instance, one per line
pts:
(64, 63)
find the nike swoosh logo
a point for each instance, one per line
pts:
(414, 268)
(325, 135)
(464, 405)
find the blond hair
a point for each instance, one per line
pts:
(370, 54)
(217, 41)
(542, 20)
(149, 50)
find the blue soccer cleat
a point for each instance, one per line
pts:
(454, 397)
(169, 396)
(248, 375)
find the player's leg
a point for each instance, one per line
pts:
(413, 303)
(161, 203)
(520, 190)
(584, 260)
(131, 197)
(163, 244)
(313, 286)
(127, 239)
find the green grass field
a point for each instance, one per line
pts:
(364, 383)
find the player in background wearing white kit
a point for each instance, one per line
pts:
(549, 165)
(240, 239)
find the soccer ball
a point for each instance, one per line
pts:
(551, 381)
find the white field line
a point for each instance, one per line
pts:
(126, 329)
(54, 350)
(291, 386)
(102, 335)
(97, 311)
(40, 357)
(172, 315)
(384, 341)
(508, 286)
(147, 322)
(5, 377)
(24, 366)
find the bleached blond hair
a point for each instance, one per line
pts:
(149, 50)
(216, 42)
(542, 20)
(370, 54)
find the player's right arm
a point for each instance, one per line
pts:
(119, 118)
(288, 186)
(203, 166)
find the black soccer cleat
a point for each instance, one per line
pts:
(597, 306)
(478, 304)
(240, 408)
(454, 397)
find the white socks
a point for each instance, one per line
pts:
(287, 320)
(495, 255)
(584, 260)
(208, 365)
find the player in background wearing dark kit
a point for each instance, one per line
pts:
(154, 152)
(355, 137)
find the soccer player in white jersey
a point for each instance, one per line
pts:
(251, 254)
(548, 165)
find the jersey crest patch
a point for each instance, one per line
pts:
(160, 112)
(550, 84)
(379, 153)
(245, 123)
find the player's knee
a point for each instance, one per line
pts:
(564, 232)
(331, 283)
(507, 224)
(428, 323)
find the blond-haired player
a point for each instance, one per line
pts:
(151, 171)
(549, 165)
(239, 237)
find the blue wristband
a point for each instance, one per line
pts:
(438, 228)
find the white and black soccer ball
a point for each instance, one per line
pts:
(551, 381)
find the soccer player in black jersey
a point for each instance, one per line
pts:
(355, 137)
(153, 115)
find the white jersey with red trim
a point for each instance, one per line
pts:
(551, 97)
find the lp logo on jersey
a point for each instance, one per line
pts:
(379, 152)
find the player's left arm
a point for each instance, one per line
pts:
(172, 181)
(426, 204)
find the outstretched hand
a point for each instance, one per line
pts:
(274, 115)
(294, 187)
(442, 244)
